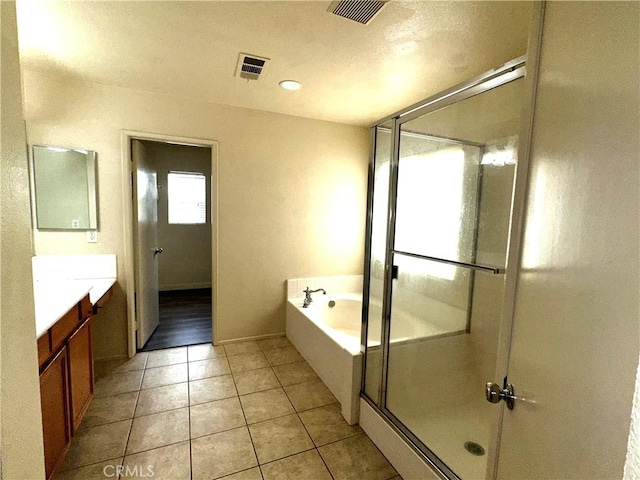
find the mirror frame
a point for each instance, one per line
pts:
(92, 196)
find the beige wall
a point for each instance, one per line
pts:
(21, 420)
(575, 339)
(291, 193)
(186, 260)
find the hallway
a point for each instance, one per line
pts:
(250, 410)
(185, 319)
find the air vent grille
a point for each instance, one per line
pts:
(251, 67)
(361, 11)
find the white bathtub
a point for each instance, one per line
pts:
(329, 339)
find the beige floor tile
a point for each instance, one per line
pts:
(159, 376)
(309, 395)
(240, 348)
(279, 437)
(212, 367)
(110, 409)
(115, 383)
(297, 372)
(280, 356)
(161, 399)
(247, 361)
(168, 356)
(251, 474)
(264, 405)
(210, 389)
(103, 367)
(214, 417)
(326, 424)
(274, 342)
(204, 352)
(97, 444)
(255, 380)
(221, 454)
(97, 471)
(355, 458)
(158, 430)
(303, 466)
(170, 462)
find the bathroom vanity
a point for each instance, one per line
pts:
(65, 308)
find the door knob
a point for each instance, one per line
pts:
(494, 394)
(157, 250)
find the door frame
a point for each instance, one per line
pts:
(128, 165)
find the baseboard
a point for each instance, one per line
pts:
(113, 357)
(183, 286)
(246, 339)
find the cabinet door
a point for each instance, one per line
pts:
(55, 412)
(80, 372)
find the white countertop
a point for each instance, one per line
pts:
(61, 281)
(55, 298)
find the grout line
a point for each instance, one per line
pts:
(59, 472)
(288, 456)
(126, 445)
(189, 419)
(253, 445)
(157, 448)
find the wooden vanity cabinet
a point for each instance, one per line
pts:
(56, 425)
(66, 380)
(80, 372)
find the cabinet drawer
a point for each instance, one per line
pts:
(63, 328)
(44, 348)
(85, 308)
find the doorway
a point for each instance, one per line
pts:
(181, 244)
(171, 264)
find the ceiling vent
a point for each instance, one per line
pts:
(251, 67)
(361, 11)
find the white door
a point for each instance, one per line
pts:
(146, 243)
(574, 347)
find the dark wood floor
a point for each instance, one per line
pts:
(185, 319)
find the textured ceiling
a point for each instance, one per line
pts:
(351, 73)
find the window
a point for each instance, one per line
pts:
(187, 194)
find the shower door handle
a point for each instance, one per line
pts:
(157, 250)
(494, 393)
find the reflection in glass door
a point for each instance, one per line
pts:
(434, 311)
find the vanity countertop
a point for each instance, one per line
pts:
(61, 281)
(55, 298)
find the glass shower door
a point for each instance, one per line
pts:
(431, 385)
(447, 243)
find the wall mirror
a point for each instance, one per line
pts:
(64, 188)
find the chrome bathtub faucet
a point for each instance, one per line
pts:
(307, 296)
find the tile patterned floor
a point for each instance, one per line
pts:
(245, 411)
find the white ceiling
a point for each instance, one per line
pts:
(351, 73)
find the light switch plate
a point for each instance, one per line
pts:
(92, 236)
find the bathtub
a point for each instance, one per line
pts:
(329, 339)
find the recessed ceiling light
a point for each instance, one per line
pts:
(290, 85)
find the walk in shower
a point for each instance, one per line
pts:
(440, 200)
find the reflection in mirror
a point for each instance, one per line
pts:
(64, 183)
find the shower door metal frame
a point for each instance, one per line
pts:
(510, 71)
